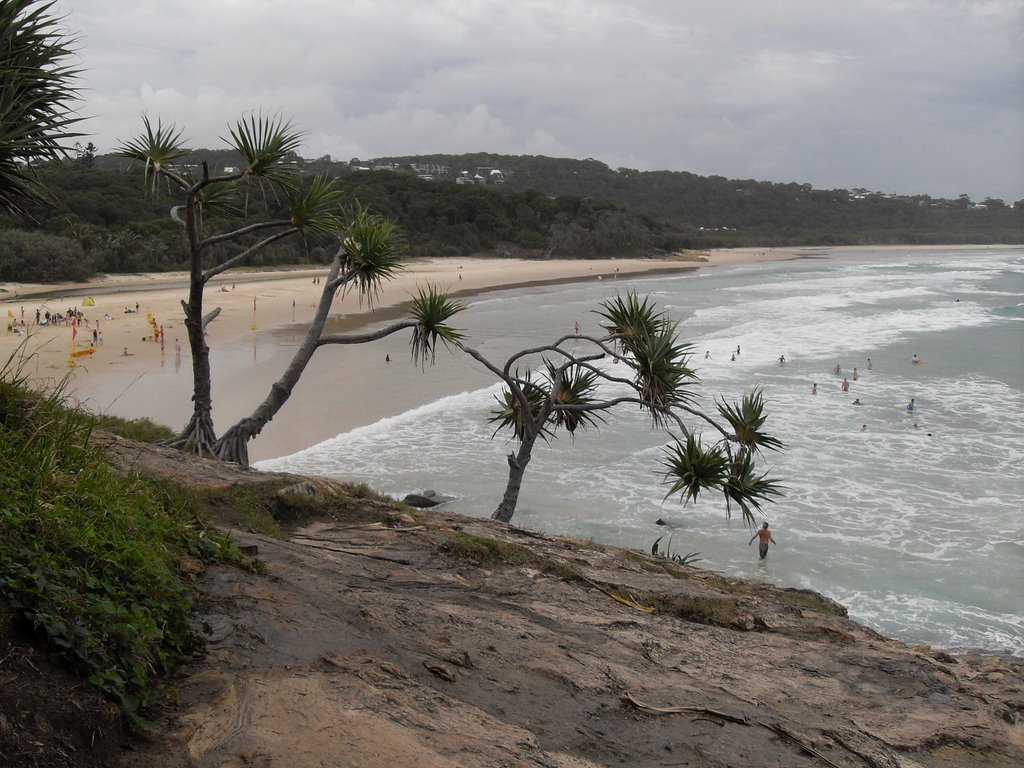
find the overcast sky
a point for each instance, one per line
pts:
(906, 96)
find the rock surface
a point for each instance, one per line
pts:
(448, 641)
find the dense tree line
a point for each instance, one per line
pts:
(545, 207)
(715, 211)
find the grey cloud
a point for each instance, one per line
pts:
(905, 96)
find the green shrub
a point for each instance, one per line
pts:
(90, 559)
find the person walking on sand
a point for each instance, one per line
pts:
(765, 536)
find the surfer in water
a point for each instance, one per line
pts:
(765, 536)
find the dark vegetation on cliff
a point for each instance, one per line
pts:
(542, 207)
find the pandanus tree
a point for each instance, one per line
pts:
(640, 361)
(212, 215)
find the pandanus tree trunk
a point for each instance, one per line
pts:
(198, 436)
(517, 463)
(233, 444)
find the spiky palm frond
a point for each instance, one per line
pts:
(158, 147)
(692, 468)
(264, 142)
(747, 489)
(220, 199)
(36, 93)
(316, 207)
(629, 316)
(572, 386)
(510, 414)
(432, 308)
(371, 250)
(747, 419)
(661, 374)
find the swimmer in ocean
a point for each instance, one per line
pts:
(765, 536)
(911, 406)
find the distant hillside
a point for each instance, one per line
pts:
(734, 212)
(463, 205)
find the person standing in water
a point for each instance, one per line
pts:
(765, 536)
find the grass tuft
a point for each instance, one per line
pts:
(491, 553)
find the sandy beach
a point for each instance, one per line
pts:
(262, 316)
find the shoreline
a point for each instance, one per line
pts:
(263, 315)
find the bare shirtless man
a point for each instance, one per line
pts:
(765, 536)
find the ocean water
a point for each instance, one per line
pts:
(914, 521)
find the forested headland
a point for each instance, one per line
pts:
(103, 220)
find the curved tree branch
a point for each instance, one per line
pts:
(362, 338)
(226, 265)
(237, 233)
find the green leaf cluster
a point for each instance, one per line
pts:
(37, 94)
